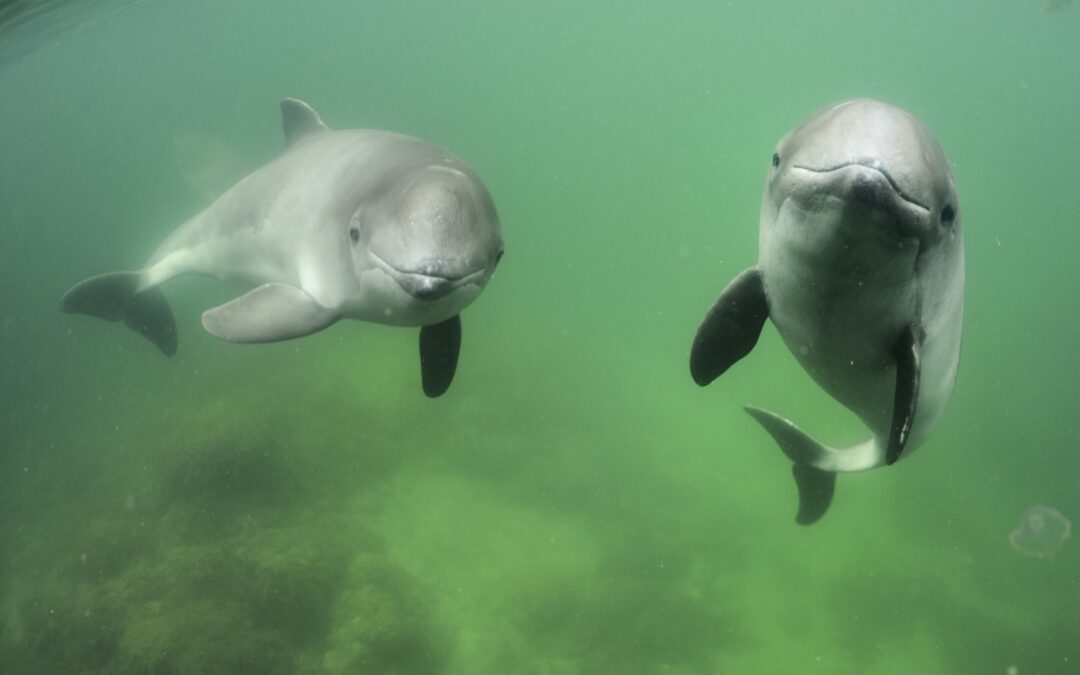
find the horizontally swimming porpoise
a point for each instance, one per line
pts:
(354, 224)
(861, 269)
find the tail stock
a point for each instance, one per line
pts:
(815, 465)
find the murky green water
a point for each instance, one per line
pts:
(575, 504)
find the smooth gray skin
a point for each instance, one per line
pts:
(857, 250)
(357, 224)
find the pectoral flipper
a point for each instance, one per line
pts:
(730, 328)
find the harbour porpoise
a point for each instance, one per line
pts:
(354, 224)
(861, 270)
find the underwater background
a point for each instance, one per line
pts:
(575, 504)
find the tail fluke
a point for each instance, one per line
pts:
(816, 489)
(816, 485)
(114, 297)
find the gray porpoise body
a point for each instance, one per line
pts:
(861, 270)
(358, 224)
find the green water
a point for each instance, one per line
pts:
(574, 505)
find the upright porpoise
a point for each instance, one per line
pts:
(357, 224)
(861, 269)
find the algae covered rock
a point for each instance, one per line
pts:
(237, 546)
(381, 624)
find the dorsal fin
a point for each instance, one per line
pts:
(299, 120)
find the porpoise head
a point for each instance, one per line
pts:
(434, 231)
(871, 161)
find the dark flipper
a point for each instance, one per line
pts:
(731, 327)
(113, 297)
(906, 398)
(439, 347)
(816, 486)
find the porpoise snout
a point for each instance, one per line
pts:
(426, 287)
(431, 281)
(866, 180)
(868, 184)
(871, 186)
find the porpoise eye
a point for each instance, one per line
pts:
(776, 159)
(354, 234)
(948, 214)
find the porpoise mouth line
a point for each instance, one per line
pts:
(892, 181)
(457, 281)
